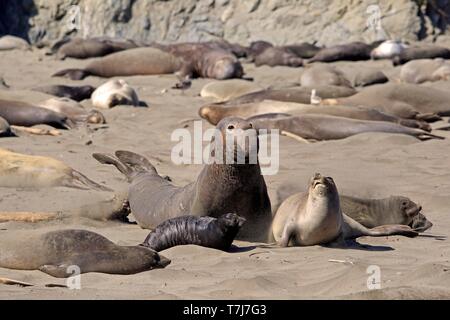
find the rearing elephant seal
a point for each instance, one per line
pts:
(315, 217)
(216, 233)
(55, 252)
(221, 187)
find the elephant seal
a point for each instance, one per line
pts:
(75, 93)
(24, 114)
(257, 47)
(73, 110)
(403, 100)
(24, 171)
(276, 56)
(372, 213)
(94, 47)
(11, 42)
(303, 50)
(234, 48)
(225, 90)
(369, 77)
(3, 84)
(421, 52)
(5, 129)
(55, 252)
(324, 127)
(315, 217)
(421, 70)
(217, 233)
(353, 51)
(221, 187)
(388, 49)
(323, 75)
(139, 61)
(114, 92)
(215, 112)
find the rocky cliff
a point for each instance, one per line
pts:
(279, 21)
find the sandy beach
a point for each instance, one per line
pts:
(368, 165)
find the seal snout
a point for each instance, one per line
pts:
(162, 262)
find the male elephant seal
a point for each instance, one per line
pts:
(54, 252)
(5, 129)
(139, 61)
(225, 90)
(421, 52)
(25, 171)
(324, 127)
(353, 51)
(277, 56)
(388, 49)
(75, 93)
(114, 92)
(24, 114)
(217, 233)
(418, 71)
(95, 47)
(221, 186)
(12, 42)
(372, 213)
(324, 75)
(315, 217)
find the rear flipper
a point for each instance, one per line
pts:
(137, 162)
(80, 181)
(73, 74)
(428, 117)
(415, 124)
(423, 135)
(57, 271)
(109, 159)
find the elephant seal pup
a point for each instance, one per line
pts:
(24, 114)
(216, 112)
(54, 252)
(73, 110)
(95, 47)
(421, 52)
(277, 56)
(5, 129)
(315, 217)
(225, 90)
(324, 75)
(418, 71)
(75, 93)
(372, 213)
(323, 127)
(353, 51)
(388, 49)
(114, 92)
(25, 171)
(217, 233)
(139, 61)
(221, 186)
(11, 42)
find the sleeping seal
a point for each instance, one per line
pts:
(94, 47)
(324, 75)
(73, 110)
(217, 233)
(75, 93)
(225, 90)
(221, 186)
(54, 252)
(421, 52)
(11, 42)
(114, 92)
(315, 217)
(421, 70)
(353, 51)
(277, 56)
(388, 49)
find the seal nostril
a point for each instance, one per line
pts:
(230, 127)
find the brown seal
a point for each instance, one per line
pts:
(418, 71)
(315, 217)
(353, 51)
(421, 52)
(276, 56)
(57, 252)
(72, 92)
(323, 75)
(94, 47)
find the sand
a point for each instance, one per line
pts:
(372, 165)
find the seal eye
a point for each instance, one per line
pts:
(250, 125)
(230, 127)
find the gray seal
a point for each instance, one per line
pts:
(77, 93)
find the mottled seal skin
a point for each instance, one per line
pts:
(5, 130)
(422, 52)
(315, 217)
(25, 114)
(325, 127)
(216, 233)
(353, 51)
(94, 47)
(138, 61)
(393, 210)
(72, 92)
(324, 75)
(54, 252)
(421, 70)
(220, 188)
(276, 56)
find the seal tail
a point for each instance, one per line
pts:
(80, 181)
(137, 162)
(73, 74)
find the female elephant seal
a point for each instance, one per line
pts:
(353, 51)
(25, 171)
(73, 110)
(217, 233)
(221, 186)
(95, 47)
(278, 56)
(225, 90)
(324, 75)
(315, 217)
(418, 71)
(114, 92)
(421, 52)
(54, 252)
(393, 210)
(72, 92)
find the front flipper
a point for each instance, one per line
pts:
(287, 235)
(57, 271)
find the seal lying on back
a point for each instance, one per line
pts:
(421, 52)
(220, 188)
(216, 233)
(94, 47)
(372, 213)
(24, 114)
(324, 75)
(353, 51)
(418, 71)
(139, 61)
(75, 93)
(55, 252)
(25, 171)
(315, 217)
(324, 127)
